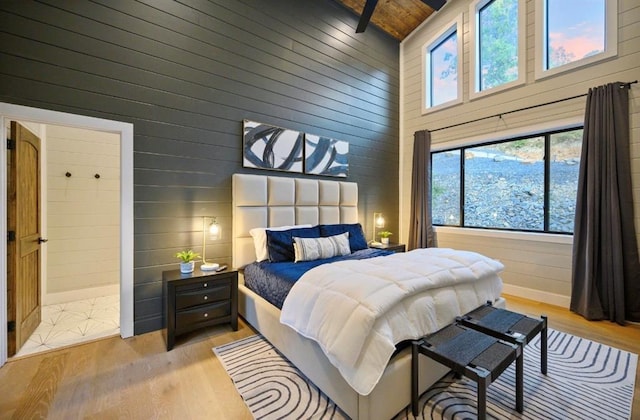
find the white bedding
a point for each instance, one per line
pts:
(357, 311)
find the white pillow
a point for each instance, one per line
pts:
(259, 236)
(309, 249)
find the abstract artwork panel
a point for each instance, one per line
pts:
(325, 156)
(269, 147)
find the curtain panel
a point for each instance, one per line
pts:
(606, 269)
(421, 233)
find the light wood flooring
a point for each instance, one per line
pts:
(137, 378)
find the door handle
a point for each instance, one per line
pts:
(42, 240)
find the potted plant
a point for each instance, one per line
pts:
(384, 236)
(186, 257)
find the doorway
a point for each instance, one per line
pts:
(10, 112)
(79, 237)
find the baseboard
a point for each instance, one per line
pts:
(80, 294)
(537, 295)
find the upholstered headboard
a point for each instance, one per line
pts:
(271, 201)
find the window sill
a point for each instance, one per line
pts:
(478, 94)
(500, 234)
(541, 73)
(441, 106)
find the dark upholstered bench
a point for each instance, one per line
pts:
(471, 353)
(509, 326)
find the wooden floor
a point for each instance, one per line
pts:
(137, 378)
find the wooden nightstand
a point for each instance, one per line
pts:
(200, 299)
(390, 247)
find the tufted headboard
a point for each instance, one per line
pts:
(271, 201)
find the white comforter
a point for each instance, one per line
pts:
(357, 311)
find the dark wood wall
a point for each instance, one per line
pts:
(186, 74)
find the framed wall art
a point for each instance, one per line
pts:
(269, 147)
(326, 156)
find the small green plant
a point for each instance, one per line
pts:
(385, 234)
(187, 256)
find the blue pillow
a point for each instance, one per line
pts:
(356, 235)
(280, 242)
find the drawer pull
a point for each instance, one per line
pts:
(204, 285)
(206, 297)
(206, 315)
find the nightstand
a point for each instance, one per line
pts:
(390, 247)
(200, 299)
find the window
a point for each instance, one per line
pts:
(497, 45)
(445, 188)
(525, 184)
(504, 185)
(444, 71)
(573, 33)
(441, 55)
(565, 149)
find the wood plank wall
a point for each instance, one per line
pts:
(186, 74)
(536, 267)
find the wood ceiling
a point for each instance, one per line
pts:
(395, 17)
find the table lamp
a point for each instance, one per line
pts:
(210, 228)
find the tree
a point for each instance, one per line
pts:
(452, 68)
(498, 43)
(559, 56)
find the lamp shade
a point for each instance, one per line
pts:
(378, 223)
(211, 229)
(214, 230)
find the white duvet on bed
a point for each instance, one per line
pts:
(358, 310)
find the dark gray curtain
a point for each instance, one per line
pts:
(606, 269)
(420, 229)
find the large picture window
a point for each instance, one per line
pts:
(524, 184)
(573, 33)
(441, 56)
(497, 45)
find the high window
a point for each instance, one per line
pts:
(441, 56)
(573, 33)
(525, 184)
(497, 45)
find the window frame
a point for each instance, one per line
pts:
(474, 48)
(454, 26)
(541, 42)
(545, 132)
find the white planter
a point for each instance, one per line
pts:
(385, 241)
(187, 267)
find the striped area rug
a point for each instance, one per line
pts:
(585, 380)
(270, 385)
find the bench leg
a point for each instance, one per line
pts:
(543, 345)
(482, 398)
(520, 382)
(414, 378)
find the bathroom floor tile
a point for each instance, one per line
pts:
(69, 323)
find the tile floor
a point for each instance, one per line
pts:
(69, 323)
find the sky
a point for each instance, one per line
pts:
(576, 25)
(444, 89)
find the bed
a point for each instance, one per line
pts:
(272, 201)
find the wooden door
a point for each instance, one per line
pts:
(23, 224)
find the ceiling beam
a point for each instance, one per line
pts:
(435, 4)
(367, 11)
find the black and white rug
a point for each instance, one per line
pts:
(585, 380)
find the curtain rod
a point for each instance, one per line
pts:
(627, 84)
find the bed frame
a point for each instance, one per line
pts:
(270, 201)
